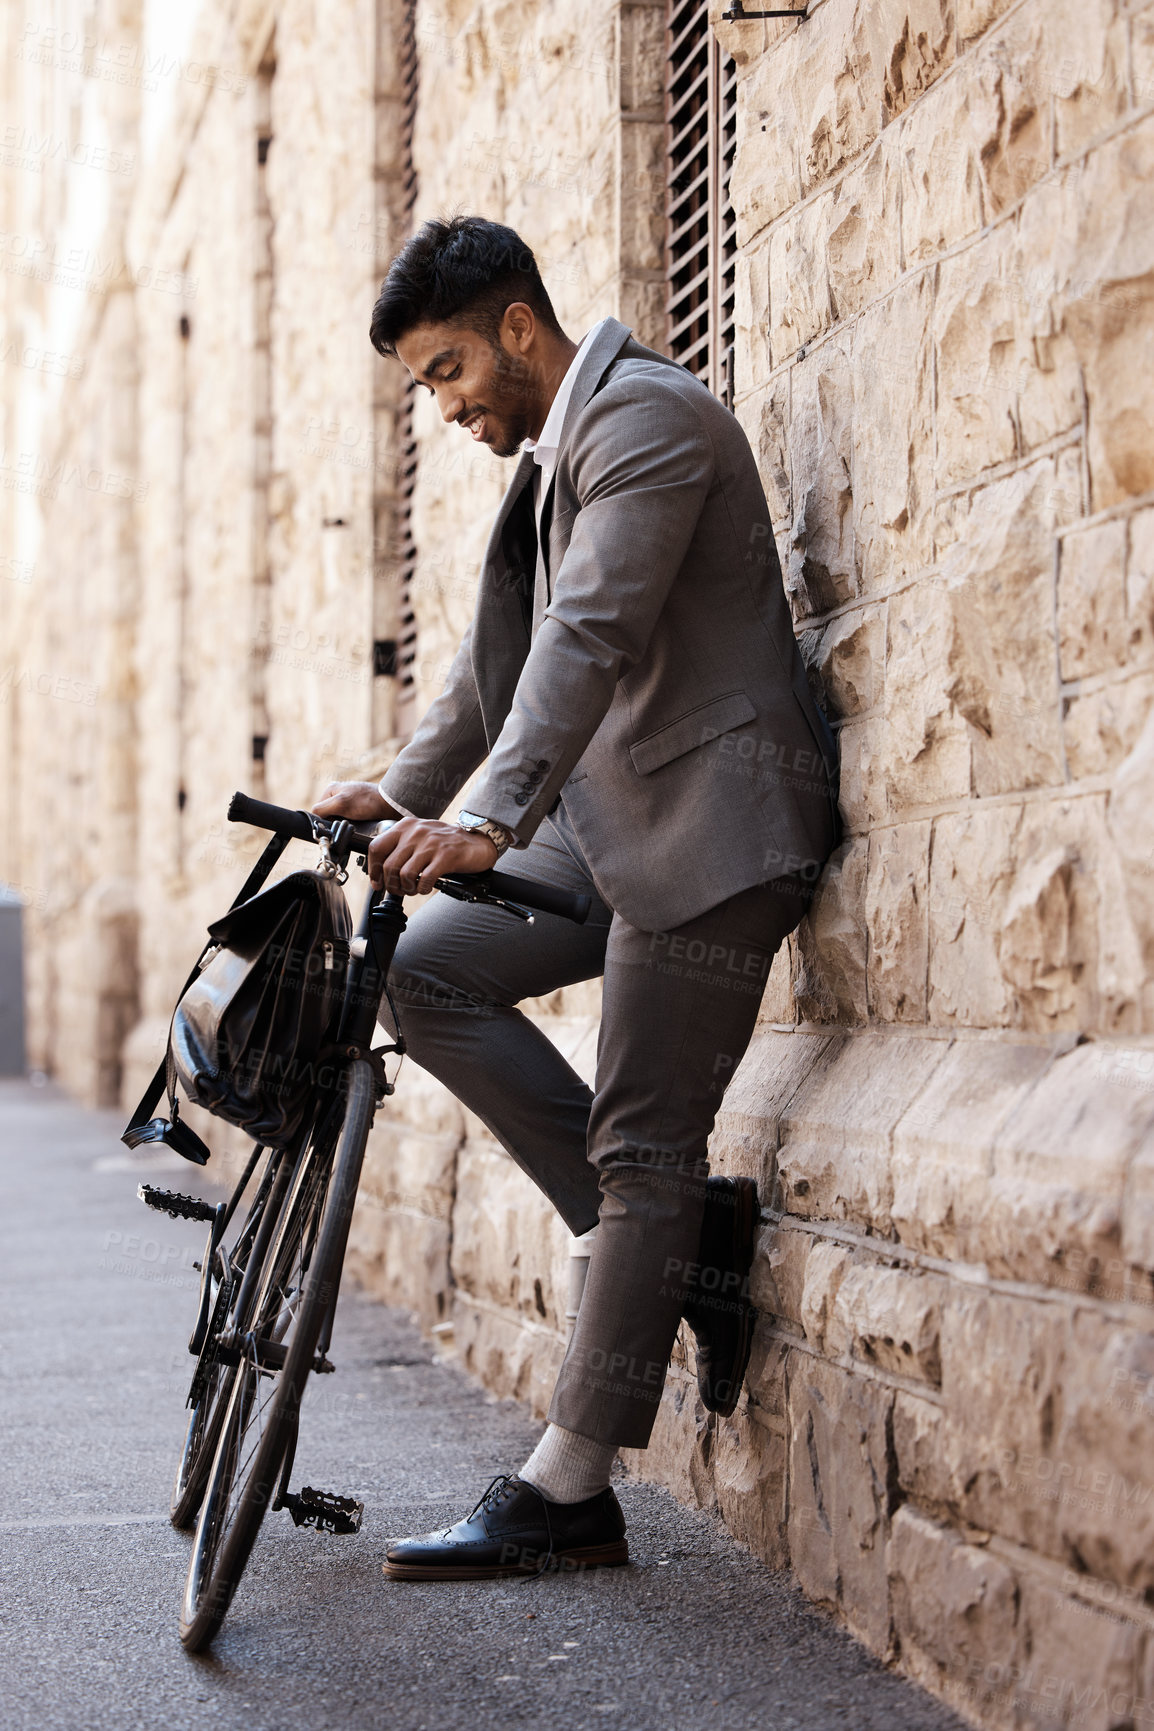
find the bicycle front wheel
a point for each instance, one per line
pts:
(298, 1288)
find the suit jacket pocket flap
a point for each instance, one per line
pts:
(689, 731)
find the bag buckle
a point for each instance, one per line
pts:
(177, 1136)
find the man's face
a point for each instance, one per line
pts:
(486, 390)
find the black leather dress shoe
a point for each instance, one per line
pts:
(718, 1308)
(514, 1530)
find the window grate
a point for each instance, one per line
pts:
(700, 230)
(406, 649)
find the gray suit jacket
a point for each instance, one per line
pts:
(662, 687)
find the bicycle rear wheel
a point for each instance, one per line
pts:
(297, 1289)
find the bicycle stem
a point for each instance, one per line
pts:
(379, 928)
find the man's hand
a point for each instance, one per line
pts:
(360, 801)
(412, 855)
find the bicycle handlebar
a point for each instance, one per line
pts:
(546, 898)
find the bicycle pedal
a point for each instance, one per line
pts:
(324, 1510)
(179, 1207)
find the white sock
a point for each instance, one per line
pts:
(567, 1468)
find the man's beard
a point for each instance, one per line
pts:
(511, 379)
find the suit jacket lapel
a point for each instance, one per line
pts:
(602, 352)
(504, 618)
(504, 602)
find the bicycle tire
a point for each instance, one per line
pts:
(240, 1490)
(200, 1440)
(212, 1380)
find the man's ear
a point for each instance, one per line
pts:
(518, 327)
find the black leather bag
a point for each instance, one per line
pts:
(249, 1033)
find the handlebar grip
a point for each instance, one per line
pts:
(242, 809)
(545, 897)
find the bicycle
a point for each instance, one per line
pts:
(268, 1293)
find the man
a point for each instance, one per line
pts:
(632, 678)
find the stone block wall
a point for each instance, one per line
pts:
(945, 312)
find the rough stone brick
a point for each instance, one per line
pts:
(1136, 1069)
(863, 243)
(1101, 728)
(750, 1474)
(751, 326)
(848, 656)
(777, 1006)
(764, 182)
(1000, 664)
(893, 476)
(831, 978)
(897, 921)
(974, 16)
(971, 867)
(885, 55)
(839, 1502)
(1092, 624)
(1103, 1473)
(1142, 57)
(1130, 823)
(512, 1360)
(890, 1318)
(976, 1455)
(825, 1267)
(941, 173)
(1061, 1468)
(820, 572)
(928, 743)
(1105, 258)
(943, 1146)
(780, 1268)
(1059, 1170)
(1140, 584)
(864, 797)
(834, 1160)
(1084, 1665)
(955, 1605)
(1009, 80)
(800, 308)
(838, 96)
(1087, 51)
(764, 418)
(775, 1067)
(1007, 371)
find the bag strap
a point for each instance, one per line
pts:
(164, 1081)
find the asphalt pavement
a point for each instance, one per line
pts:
(97, 1296)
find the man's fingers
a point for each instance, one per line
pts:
(380, 849)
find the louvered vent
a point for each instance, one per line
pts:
(406, 442)
(700, 130)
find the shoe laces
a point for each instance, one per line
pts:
(494, 1493)
(504, 1485)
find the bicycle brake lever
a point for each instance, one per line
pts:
(510, 908)
(460, 892)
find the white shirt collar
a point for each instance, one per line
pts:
(546, 448)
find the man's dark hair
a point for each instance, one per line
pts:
(458, 270)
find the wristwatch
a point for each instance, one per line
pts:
(496, 832)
